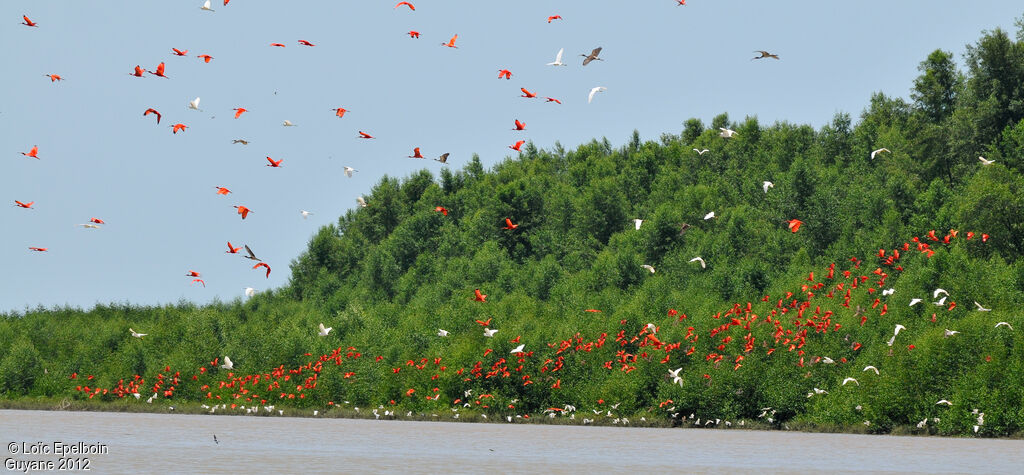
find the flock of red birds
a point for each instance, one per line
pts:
(786, 324)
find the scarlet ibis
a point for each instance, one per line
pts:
(263, 264)
(178, 52)
(23, 205)
(153, 111)
(442, 210)
(364, 135)
(232, 249)
(554, 17)
(306, 43)
(527, 94)
(239, 111)
(414, 34)
(411, 7)
(54, 77)
(205, 57)
(509, 224)
(415, 153)
(178, 128)
(479, 297)
(520, 125)
(274, 164)
(159, 71)
(504, 73)
(34, 153)
(517, 145)
(28, 22)
(451, 42)
(242, 210)
(340, 111)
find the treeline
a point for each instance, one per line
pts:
(388, 276)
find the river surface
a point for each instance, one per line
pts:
(178, 443)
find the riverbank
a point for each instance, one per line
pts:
(462, 415)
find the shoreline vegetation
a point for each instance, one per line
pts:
(863, 277)
(189, 408)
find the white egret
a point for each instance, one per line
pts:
(649, 267)
(766, 185)
(701, 260)
(442, 332)
(228, 364)
(595, 90)
(518, 349)
(558, 59)
(980, 308)
(324, 330)
(349, 171)
(137, 334)
(985, 162)
(727, 133)
(876, 152)
(489, 333)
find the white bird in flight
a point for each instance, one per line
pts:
(558, 59)
(442, 332)
(914, 302)
(950, 333)
(709, 216)
(305, 214)
(986, 162)
(595, 90)
(701, 260)
(206, 6)
(637, 223)
(518, 349)
(980, 308)
(137, 334)
(727, 133)
(766, 185)
(895, 332)
(935, 294)
(940, 302)
(649, 267)
(888, 291)
(872, 368)
(847, 380)
(943, 401)
(249, 292)
(361, 201)
(876, 152)
(349, 171)
(674, 373)
(651, 328)
(325, 330)
(701, 151)
(89, 226)
(1004, 323)
(489, 333)
(194, 104)
(227, 363)
(817, 391)
(288, 123)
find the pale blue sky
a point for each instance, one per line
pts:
(100, 157)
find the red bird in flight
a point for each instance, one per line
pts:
(178, 128)
(232, 249)
(364, 135)
(520, 125)
(441, 209)
(263, 264)
(222, 191)
(38, 249)
(23, 205)
(794, 224)
(239, 111)
(306, 43)
(34, 153)
(28, 22)
(509, 225)
(527, 94)
(415, 153)
(242, 210)
(552, 99)
(451, 42)
(152, 111)
(554, 17)
(479, 297)
(138, 72)
(206, 57)
(517, 145)
(178, 52)
(159, 71)
(279, 45)
(340, 111)
(414, 34)
(504, 73)
(274, 164)
(54, 77)
(411, 7)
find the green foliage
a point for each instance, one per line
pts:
(568, 280)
